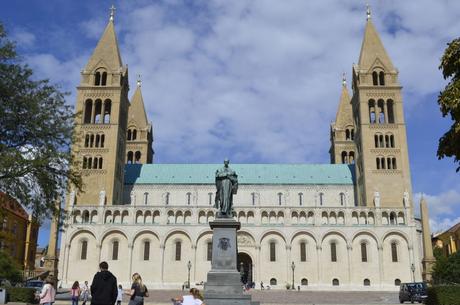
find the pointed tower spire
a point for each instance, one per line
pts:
(372, 48)
(137, 108)
(107, 52)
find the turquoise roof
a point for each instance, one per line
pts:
(247, 173)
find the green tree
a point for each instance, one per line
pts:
(449, 100)
(9, 269)
(447, 270)
(36, 127)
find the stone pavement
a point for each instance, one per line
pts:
(278, 297)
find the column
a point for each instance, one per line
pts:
(162, 250)
(101, 119)
(98, 255)
(288, 262)
(412, 261)
(130, 259)
(385, 109)
(67, 256)
(318, 259)
(258, 264)
(93, 111)
(381, 270)
(193, 276)
(349, 251)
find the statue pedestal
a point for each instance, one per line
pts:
(223, 286)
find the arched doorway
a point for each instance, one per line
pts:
(245, 268)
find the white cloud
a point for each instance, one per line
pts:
(23, 38)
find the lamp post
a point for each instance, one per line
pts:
(293, 268)
(242, 272)
(412, 268)
(189, 266)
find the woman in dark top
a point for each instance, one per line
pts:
(138, 291)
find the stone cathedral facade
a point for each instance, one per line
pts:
(346, 225)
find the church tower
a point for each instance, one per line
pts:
(382, 164)
(102, 100)
(343, 149)
(139, 135)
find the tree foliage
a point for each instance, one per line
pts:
(9, 269)
(449, 101)
(36, 128)
(446, 270)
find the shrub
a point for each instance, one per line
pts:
(443, 295)
(21, 294)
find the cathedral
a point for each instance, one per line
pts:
(348, 225)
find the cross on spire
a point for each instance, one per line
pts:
(344, 80)
(112, 12)
(139, 81)
(368, 11)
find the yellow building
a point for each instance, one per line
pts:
(448, 241)
(18, 232)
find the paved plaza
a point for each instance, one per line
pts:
(278, 297)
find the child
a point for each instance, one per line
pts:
(120, 295)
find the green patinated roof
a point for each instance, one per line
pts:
(247, 173)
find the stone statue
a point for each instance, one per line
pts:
(133, 198)
(377, 199)
(227, 185)
(102, 198)
(406, 199)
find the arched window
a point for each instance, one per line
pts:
(273, 282)
(107, 110)
(85, 162)
(347, 134)
(394, 252)
(146, 250)
(97, 112)
(382, 79)
(130, 157)
(333, 252)
(363, 252)
(91, 140)
(129, 135)
(381, 143)
(342, 199)
(375, 80)
(367, 282)
(352, 134)
(97, 79)
(390, 109)
(335, 282)
(303, 252)
(137, 157)
(84, 250)
(304, 282)
(88, 110)
(102, 140)
(393, 161)
(87, 140)
(178, 250)
(371, 105)
(300, 198)
(209, 251)
(376, 140)
(387, 141)
(351, 157)
(344, 157)
(89, 165)
(104, 79)
(381, 108)
(321, 198)
(273, 252)
(189, 196)
(389, 165)
(115, 245)
(95, 163)
(146, 198)
(397, 282)
(392, 141)
(134, 134)
(280, 198)
(382, 163)
(98, 139)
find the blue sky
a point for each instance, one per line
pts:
(255, 81)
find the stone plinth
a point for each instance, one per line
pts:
(223, 286)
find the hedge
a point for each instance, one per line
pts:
(443, 295)
(21, 294)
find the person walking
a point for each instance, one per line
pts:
(75, 293)
(120, 295)
(48, 293)
(138, 291)
(104, 290)
(84, 293)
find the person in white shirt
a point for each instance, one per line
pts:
(119, 295)
(193, 298)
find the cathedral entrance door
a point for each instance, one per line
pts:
(245, 268)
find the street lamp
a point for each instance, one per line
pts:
(293, 268)
(189, 266)
(412, 267)
(242, 272)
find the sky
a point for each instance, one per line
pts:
(257, 81)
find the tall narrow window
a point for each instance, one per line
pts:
(129, 135)
(100, 163)
(393, 160)
(189, 195)
(209, 251)
(178, 250)
(375, 78)
(303, 252)
(137, 157)
(253, 197)
(104, 79)
(85, 162)
(382, 79)
(84, 250)
(300, 198)
(130, 157)
(146, 251)
(390, 109)
(394, 252)
(115, 245)
(134, 134)
(210, 198)
(333, 252)
(377, 161)
(342, 199)
(167, 198)
(352, 134)
(97, 79)
(146, 198)
(363, 252)
(376, 140)
(321, 198)
(280, 198)
(347, 134)
(102, 140)
(387, 141)
(272, 252)
(88, 110)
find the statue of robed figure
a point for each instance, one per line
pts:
(227, 185)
